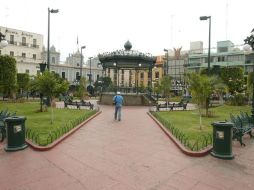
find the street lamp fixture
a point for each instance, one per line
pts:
(48, 51)
(209, 40)
(166, 67)
(249, 41)
(3, 41)
(81, 61)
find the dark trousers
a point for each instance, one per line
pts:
(118, 113)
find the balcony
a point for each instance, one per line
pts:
(24, 44)
(34, 46)
(11, 42)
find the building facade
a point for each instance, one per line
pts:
(25, 47)
(28, 50)
(225, 55)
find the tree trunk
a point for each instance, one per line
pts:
(200, 119)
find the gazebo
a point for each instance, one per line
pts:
(126, 67)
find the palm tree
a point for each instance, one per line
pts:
(201, 87)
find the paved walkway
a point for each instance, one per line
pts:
(132, 154)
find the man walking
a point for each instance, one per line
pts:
(118, 101)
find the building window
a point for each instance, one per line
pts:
(23, 41)
(27, 71)
(108, 72)
(221, 59)
(24, 55)
(77, 64)
(34, 43)
(34, 56)
(157, 75)
(142, 75)
(53, 60)
(12, 53)
(11, 39)
(63, 75)
(98, 76)
(77, 75)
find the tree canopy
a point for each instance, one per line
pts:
(8, 75)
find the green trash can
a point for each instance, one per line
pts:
(15, 128)
(222, 140)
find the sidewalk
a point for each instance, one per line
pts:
(133, 154)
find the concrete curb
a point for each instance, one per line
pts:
(56, 142)
(201, 153)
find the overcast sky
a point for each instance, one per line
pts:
(151, 25)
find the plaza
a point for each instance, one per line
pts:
(133, 154)
(184, 75)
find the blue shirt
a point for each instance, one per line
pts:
(118, 99)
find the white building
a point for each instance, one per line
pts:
(25, 47)
(28, 50)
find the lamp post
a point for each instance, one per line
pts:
(209, 40)
(139, 65)
(166, 67)
(249, 41)
(117, 76)
(3, 41)
(81, 61)
(42, 69)
(48, 52)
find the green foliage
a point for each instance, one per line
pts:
(165, 86)
(49, 84)
(238, 99)
(22, 82)
(250, 84)
(105, 82)
(233, 77)
(82, 91)
(8, 75)
(38, 126)
(189, 125)
(201, 87)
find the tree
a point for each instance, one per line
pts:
(233, 77)
(22, 82)
(220, 89)
(8, 75)
(157, 89)
(82, 91)
(201, 87)
(166, 87)
(50, 85)
(105, 82)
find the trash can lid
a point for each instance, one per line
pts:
(222, 124)
(15, 118)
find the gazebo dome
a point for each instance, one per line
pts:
(127, 46)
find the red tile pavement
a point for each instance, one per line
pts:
(133, 154)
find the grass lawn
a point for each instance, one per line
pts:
(188, 121)
(40, 122)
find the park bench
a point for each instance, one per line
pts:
(243, 124)
(182, 104)
(77, 104)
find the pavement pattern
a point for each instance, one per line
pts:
(133, 154)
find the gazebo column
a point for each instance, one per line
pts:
(117, 70)
(150, 75)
